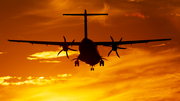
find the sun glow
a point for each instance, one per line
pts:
(130, 78)
(50, 55)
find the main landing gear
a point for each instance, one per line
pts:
(101, 63)
(76, 63)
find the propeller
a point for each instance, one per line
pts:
(74, 59)
(104, 59)
(115, 47)
(66, 48)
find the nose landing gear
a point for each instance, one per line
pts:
(92, 69)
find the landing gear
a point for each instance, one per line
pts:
(76, 63)
(101, 63)
(92, 69)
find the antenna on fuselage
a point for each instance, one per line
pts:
(85, 19)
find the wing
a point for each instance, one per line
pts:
(97, 43)
(129, 42)
(46, 42)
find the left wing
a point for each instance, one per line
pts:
(47, 42)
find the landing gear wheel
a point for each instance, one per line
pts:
(92, 69)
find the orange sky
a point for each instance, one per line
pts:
(145, 72)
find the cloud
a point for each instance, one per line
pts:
(158, 45)
(49, 14)
(139, 75)
(50, 61)
(134, 0)
(8, 80)
(177, 14)
(50, 55)
(102, 18)
(2, 52)
(136, 14)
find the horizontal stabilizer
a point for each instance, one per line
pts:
(82, 14)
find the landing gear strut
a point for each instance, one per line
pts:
(101, 63)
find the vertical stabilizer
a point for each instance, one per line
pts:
(85, 19)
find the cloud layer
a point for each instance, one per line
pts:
(140, 75)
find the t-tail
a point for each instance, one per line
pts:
(85, 19)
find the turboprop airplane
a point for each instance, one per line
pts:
(87, 48)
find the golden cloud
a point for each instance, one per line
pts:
(158, 45)
(50, 55)
(8, 80)
(136, 14)
(140, 75)
(1, 52)
(50, 61)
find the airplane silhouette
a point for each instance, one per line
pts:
(88, 49)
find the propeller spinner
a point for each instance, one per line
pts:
(66, 48)
(115, 47)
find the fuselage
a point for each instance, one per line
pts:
(88, 49)
(88, 52)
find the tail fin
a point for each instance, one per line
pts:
(85, 19)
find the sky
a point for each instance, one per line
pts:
(144, 72)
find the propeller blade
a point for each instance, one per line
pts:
(104, 59)
(74, 59)
(120, 40)
(112, 39)
(67, 55)
(121, 48)
(64, 38)
(73, 40)
(109, 53)
(72, 49)
(59, 52)
(117, 54)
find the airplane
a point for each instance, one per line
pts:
(87, 48)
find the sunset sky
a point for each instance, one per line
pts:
(145, 72)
